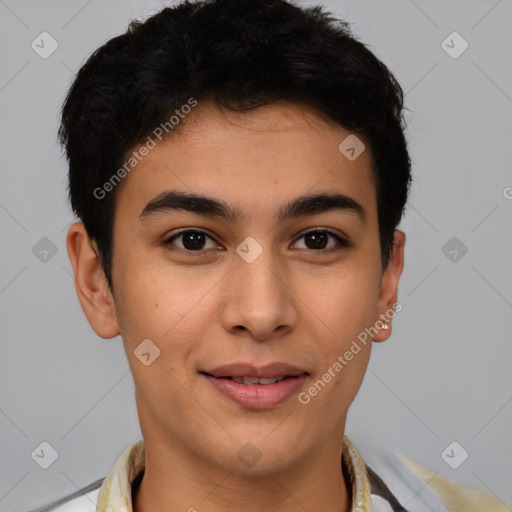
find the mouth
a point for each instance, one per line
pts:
(257, 388)
(251, 381)
(247, 371)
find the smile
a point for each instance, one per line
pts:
(257, 392)
(256, 380)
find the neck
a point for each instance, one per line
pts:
(317, 483)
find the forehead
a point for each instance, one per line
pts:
(253, 160)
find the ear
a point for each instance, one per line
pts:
(90, 282)
(389, 291)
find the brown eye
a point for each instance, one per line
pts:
(318, 240)
(195, 242)
(192, 240)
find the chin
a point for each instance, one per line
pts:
(260, 456)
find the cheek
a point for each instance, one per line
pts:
(345, 303)
(171, 319)
(169, 307)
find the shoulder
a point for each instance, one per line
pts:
(82, 501)
(417, 489)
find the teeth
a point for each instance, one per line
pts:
(256, 380)
(250, 380)
(270, 380)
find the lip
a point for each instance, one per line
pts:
(248, 370)
(257, 396)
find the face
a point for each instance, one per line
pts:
(246, 281)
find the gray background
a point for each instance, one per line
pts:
(445, 375)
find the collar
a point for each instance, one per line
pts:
(116, 490)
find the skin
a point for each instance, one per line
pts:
(294, 304)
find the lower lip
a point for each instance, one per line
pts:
(258, 396)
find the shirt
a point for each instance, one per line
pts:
(370, 493)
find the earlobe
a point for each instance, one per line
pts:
(90, 282)
(389, 292)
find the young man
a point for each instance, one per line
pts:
(239, 169)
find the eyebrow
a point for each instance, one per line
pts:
(310, 204)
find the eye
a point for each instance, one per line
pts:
(192, 240)
(318, 238)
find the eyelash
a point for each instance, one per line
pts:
(343, 242)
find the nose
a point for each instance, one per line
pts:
(258, 298)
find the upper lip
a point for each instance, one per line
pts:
(248, 370)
